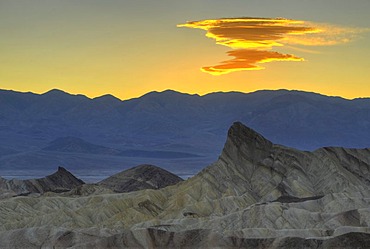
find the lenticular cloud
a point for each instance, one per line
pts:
(252, 39)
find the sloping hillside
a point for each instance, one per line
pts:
(60, 181)
(256, 193)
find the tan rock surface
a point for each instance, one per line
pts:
(257, 193)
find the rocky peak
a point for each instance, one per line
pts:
(62, 170)
(56, 92)
(140, 177)
(244, 140)
(241, 134)
(60, 181)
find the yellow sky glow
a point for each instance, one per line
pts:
(130, 48)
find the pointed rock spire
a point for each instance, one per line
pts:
(240, 135)
(245, 142)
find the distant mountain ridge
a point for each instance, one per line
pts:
(78, 145)
(173, 122)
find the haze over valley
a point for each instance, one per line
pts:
(98, 137)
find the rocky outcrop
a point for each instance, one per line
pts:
(60, 181)
(253, 167)
(140, 177)
(256, 194)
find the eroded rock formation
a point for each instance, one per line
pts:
(60, 181)
(140, 177)
(256, 194)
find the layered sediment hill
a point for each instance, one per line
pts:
(140, 177)
(256, 194)
(60, 181)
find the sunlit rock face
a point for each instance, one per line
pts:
(256, 194)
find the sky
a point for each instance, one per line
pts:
(130, 47)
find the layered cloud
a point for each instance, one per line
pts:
(248, 59)
(253, 38)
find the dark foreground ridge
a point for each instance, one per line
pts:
(202, 239)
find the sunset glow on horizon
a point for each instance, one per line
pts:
(129, 48)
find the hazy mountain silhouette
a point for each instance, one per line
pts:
(175, 122)
(156, 154)
(78, 145)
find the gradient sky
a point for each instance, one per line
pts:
(128, 48)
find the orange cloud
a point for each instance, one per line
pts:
(250, 32)
(255, 37)
(247, 59)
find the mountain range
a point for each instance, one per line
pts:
(256, 195)
(180, 132)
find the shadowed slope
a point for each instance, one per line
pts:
(140, 177)
(60, 181)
